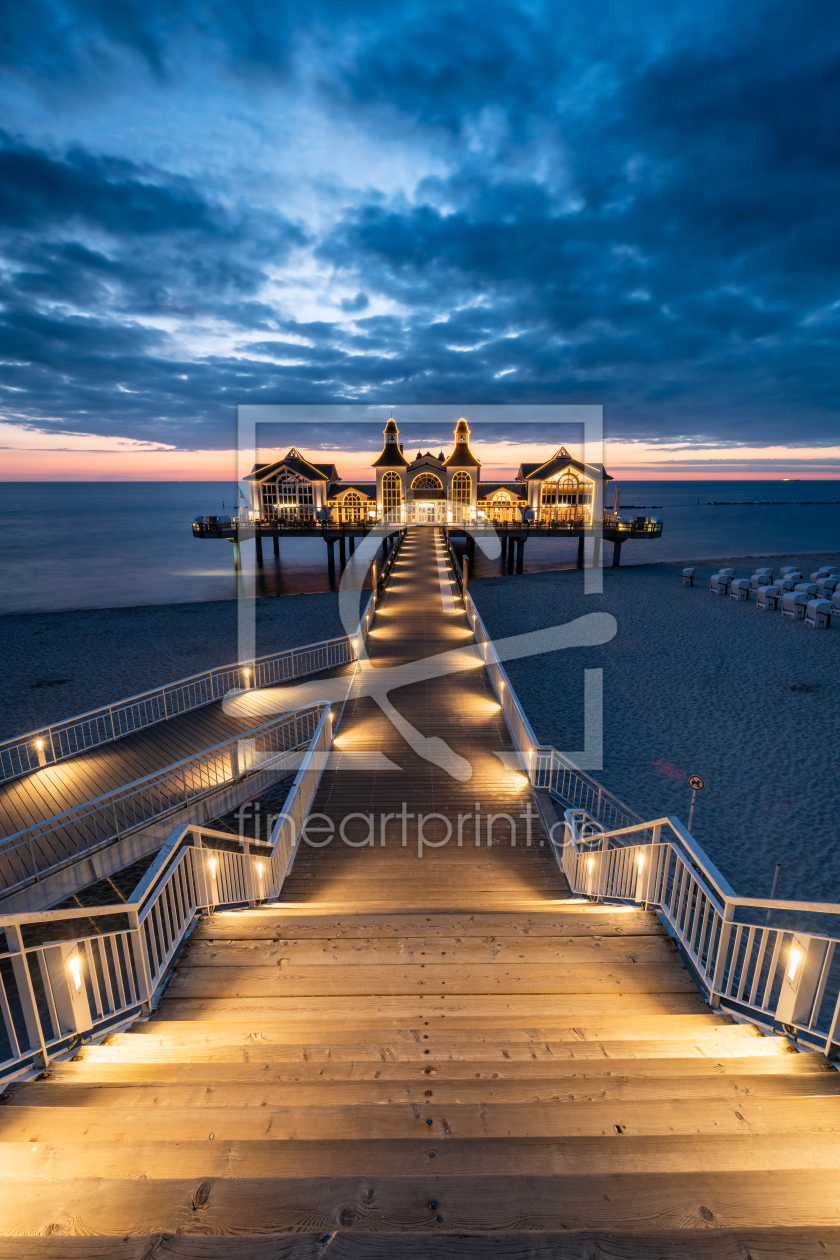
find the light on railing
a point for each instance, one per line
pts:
(590, 864)
(76, 971)
(259, 869)
(39, 744)
(795, 960)
(247, 673)
(212, 868)
(640, 858)
(503, 684)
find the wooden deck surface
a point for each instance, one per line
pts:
(54, 789)
(438, 1056)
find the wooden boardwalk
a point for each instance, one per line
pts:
(438, 1056)
(54, 789)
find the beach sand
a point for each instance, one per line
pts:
(697, 685)
(56, 665)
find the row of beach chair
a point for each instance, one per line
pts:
(814, 601)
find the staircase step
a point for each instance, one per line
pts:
(364, 980)
(160, 1159)
(632, 1203)
(571, 1119)
(425, 1091)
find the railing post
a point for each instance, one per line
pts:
(726, 923)
(145, 975)
(26, 993)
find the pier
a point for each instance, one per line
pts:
(458, 1028)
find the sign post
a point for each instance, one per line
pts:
(696, 784)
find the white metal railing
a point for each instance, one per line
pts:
(63, 839)
(59, 983)
(762, 958)
(57, 742)
(741, 952)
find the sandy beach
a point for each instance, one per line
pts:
(697, 685)
(59, 664)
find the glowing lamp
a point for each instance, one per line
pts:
(212, 868)
(640, 858)
(39, 744)
(76, 972)
(793, 962)
(590, 863)
(259, 869)
(247, 673)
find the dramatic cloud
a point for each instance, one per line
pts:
(410, 202)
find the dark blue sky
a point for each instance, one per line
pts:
(634, 204)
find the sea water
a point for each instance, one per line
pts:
(109, 545)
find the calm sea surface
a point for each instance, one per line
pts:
(94, 545)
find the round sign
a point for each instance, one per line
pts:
(696, 783)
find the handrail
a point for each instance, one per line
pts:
(56, 986)
(20, 755)
(59, 985)
(783, 977)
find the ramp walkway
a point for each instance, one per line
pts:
(427, 1051)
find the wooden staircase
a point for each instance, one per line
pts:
(536, 1082)
(433, 1053)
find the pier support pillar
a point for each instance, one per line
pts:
(352, 542)
(471, 547)
(276, 541)
(616, 555)
(510, 555)
(503, 541)
(331, 558)
(258, 541)
(580, 552)
(596, 552)
(342, 551)
(520, 554)
(237, 555)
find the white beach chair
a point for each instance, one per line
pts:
(740, 589)
(820, 573)
(688, 576)
(818, 614)
(786, 584)
(768, 598)
(794, 605)
(810, 588)
(827, 586)
(789, 568)
(720, 583)
(835, 600)
(761, 577)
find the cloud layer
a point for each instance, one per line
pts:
(410, 202)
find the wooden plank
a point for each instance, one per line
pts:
(501, 978)
(631, 1202)
(558, 920)
(572, 1008)
(585, 1119)
(475, 1055)
(536, 1157)
(416, 949)
(95, 1067)
(694, 1027)
(776, 1243)
(425, 1091)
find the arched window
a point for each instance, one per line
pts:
(391, 493)
(427, 481)
(500, 507)
(351, 506)
(462, 488)
(287, 498)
